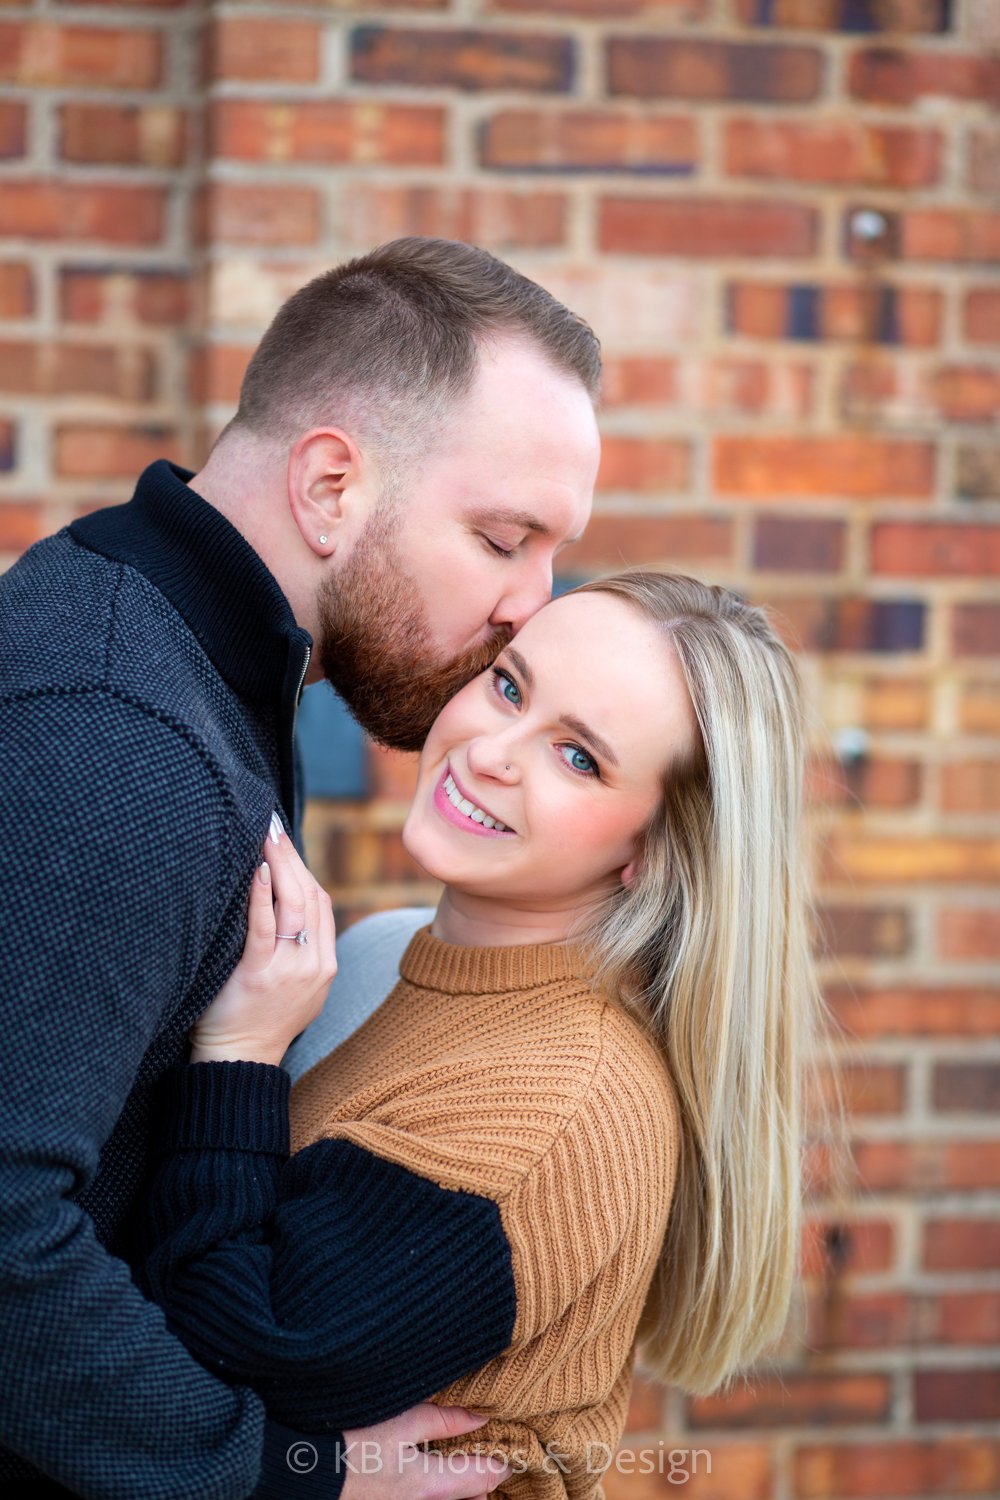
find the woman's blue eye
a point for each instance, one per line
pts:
(507, 687)
(579, 760)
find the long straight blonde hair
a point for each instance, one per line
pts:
(710, 949)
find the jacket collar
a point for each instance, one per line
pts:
(212, 576)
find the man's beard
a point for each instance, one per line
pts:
(374, 643)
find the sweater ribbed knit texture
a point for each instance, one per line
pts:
(499, 1072)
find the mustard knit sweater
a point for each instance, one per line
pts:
(498, 1072)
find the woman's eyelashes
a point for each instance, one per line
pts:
(503, 681)
(575, 759)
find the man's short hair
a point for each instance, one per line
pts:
(385, 343)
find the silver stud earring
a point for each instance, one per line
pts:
(324, 539)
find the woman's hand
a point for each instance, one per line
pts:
(278, 986)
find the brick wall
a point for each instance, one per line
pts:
(783, 218)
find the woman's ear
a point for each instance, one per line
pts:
(630, 872)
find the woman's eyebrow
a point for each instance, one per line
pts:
(570, 720)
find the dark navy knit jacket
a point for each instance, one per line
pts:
(150, 668)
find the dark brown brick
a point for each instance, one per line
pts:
(654, 67)
(799, 546)
(462, 59)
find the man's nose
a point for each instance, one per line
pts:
(523, 597)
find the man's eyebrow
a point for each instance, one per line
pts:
(585, 732)
(501, 516)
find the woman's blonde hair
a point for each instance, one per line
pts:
(710, 948)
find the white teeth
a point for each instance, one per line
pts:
(469, 808)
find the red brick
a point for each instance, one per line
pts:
(981, 316)
(42, 54)
(935, 549)
(124, 295)
(841, 151)
(799, 546)
(945, 1465)
(20, 525)
(13, 129)
(85, 451)
(47, 368)
(255, 214)
(462, 58)
(834, 1247)
(130, 135)
(916, 1011)
(864, 1321)
(327, 130)
(644, 465)
(853, 623)
(875, 781)
(915, 860)
(259, 50)
(983, 174)
(393, 773)
(92, 211)
(895, 702)
(17, 290)
(698, 1472)
(662, 541)
(863, 932)
(501, 218)
(883, 75)
(734, 386)
(949, 234)
(870, 1087)
(853, 467)
(961, 1087)
(971, 1395)
(796, 1400)
(7, 444)
(132, 4)
(217, 370)
(645, 1411)
(656, 67)
(955, 1244)
(706, 226)
(917, 1168)
(969, 934)
(976, 630)
(966, 393)
(971, 786)
(673, 11)
(638, 380)
(962, 1317)
(979, 707)
(598, 140)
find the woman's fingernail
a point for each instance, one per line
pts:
(264, 873)
(276, 829)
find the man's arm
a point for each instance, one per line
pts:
(112, 832)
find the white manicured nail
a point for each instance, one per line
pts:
(276, 829)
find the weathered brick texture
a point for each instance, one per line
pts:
(783, 219)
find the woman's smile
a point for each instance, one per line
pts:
(456, 808)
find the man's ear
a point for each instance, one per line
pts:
(323, 470)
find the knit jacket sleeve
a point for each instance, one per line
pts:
(100, 934)
(343, 1287)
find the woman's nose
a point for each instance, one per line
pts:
(495, 756)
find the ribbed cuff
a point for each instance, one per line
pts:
(296, 1467)
(236, 1106)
